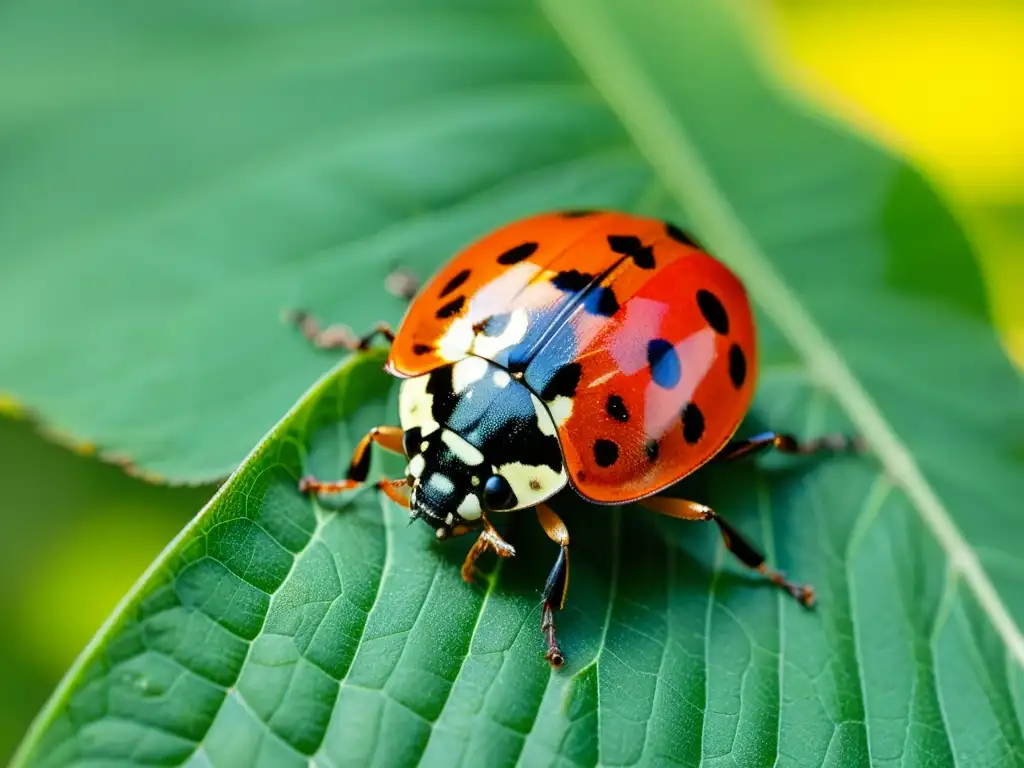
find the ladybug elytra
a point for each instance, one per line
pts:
(596, 350)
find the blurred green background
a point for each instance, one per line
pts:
(937, 80)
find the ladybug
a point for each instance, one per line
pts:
(598, 350)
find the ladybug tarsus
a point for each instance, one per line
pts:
(783, 443)
(337, 336)
(807, 597)
(488, 540)
(310, 484)
(802, 593)
(553, 654)
(402, 283)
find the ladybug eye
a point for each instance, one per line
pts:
(498, 493)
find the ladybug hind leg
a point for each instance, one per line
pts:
(388, 438)
(744, 551)
(338, 335)
(783, 443)
(557, 583)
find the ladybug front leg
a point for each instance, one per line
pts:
(788, 444)
(337, 336)
(739, 546)
(489, 540)
(557, 583)
(388, 438)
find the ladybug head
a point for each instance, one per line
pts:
(478, 442)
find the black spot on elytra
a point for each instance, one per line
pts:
(563, 383)
(572, 280)
(737, 366)
(606, 452)
(601, 301)
(666, 370)
(680, 236)
(713, 311)
(421, 349)
(517, 254)
(630, 245)
(454, 283)
(616, 408)
(452, 308)
(651, 448)
(578, 214)
(693, 424)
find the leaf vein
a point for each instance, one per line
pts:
(664, 141)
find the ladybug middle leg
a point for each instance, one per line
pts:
(783, 443)
(388, 438)
(734, 540)
(337, 336)
(557, 583)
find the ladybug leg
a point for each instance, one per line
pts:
(388, 438)
(788, 444)
(488, 540)
(402, 283)
(337, 336)
(557, 583)
(396, 490)
(734, 540)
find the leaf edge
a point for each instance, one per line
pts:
(62, 692)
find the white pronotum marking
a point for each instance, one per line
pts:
(469, 507)
(523, 478)
(415, 405)
(463, 451)
(441, 483)
(416, 466)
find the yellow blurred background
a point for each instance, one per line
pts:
(940, 81)
(937, 81)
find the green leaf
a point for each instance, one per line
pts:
(275, 631)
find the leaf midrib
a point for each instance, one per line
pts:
(665, 142)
